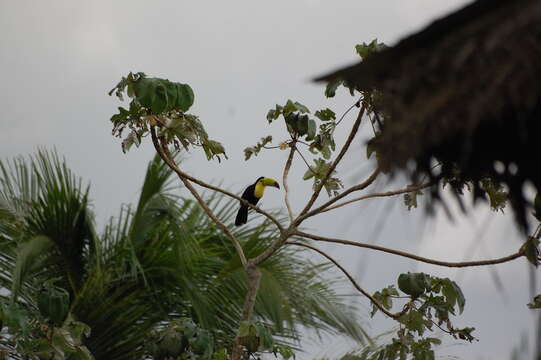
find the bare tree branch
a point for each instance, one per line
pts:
(254, 279)
(380, 194)
(504, 259)
(343, 151)
(306, 162)
(284, 179)
(348, 110)
(164, 154)
(355, 284)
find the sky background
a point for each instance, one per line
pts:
(60, 58)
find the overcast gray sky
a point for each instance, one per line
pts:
(60, 58)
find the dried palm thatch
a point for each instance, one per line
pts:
(466, 92)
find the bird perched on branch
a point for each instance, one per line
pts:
(252, 194)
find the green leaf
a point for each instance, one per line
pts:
(414, 321)
(496, 193)
(413, 284)
(273, 114)
(254, 150)
(312, 128)
(130, 140)
(285, 351)
(185, 96)
(121, 117)
(308, 174)
(291, 106)
(325, 114)
(302, 125)
(319, 171)
(365, 50)
(330, 89)
(53, 303)
(265, 335)
(220, 355)
(246, 328)
(213, 148)
(453, 294)
(160, 95)
(384, 297)
(531, 250)
(151, 93)
(203, 343)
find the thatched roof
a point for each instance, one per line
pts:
(465, 90)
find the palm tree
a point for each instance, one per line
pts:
(155, 264)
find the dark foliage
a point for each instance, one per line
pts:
(463, 92)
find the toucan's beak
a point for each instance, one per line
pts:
(276, 185)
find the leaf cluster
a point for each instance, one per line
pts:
(162, 103)
(257, 337)
(320, 140)
(364, 50)
(254, 150)
(431, 302)
(182, 339)
(35, 335)
(496, 193)
(298, 124)
(318, 171)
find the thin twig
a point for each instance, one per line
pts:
(302, 142)
(284, 180)
(381, 194)
(164, 154)
(345, 148)
(355, 284)
(343, 194)
(225, 192)
(504, 259)
(347, 111)
(306, 162)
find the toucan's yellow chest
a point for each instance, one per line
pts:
(259, 190)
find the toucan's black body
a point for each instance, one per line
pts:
(250, 195)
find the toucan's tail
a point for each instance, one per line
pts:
(242, 215)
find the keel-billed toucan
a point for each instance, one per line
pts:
(252, 194)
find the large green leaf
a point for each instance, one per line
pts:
(160, 95)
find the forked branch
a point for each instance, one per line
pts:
(164, 154)
(343, 151)
(343, 194)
